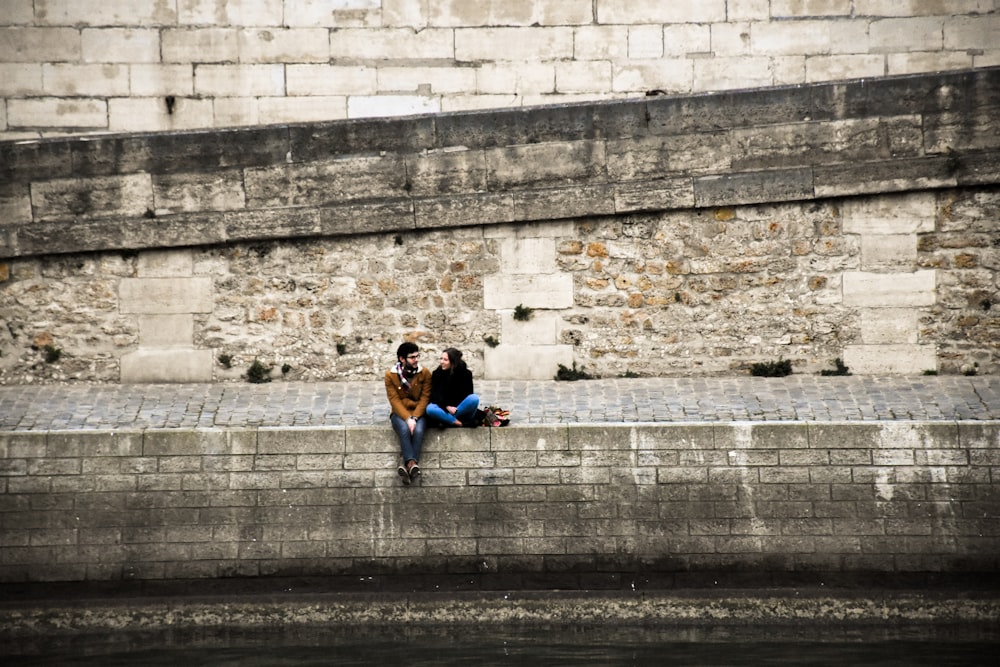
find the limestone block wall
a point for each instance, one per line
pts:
(657, 237)
(609, 506)
(73, 66)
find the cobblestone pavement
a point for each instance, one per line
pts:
(236, 405)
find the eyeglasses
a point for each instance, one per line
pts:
(413, 356)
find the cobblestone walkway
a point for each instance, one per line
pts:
(795, 398)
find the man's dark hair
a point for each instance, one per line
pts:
(406, 349)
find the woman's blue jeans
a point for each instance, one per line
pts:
(410, 444)
(465, 412)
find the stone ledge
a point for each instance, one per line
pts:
(519, 165)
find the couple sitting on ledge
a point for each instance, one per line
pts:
(445, 397)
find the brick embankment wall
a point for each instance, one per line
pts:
(80, 67)
(606, 506)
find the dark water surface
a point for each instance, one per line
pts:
(441, 645)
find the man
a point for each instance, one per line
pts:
(408, 387)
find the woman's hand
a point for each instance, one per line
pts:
(412, 423)
(451, 409)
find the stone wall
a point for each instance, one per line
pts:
(79, 67)
(522, 507)
(900, 284)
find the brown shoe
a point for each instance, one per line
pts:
(404, 475)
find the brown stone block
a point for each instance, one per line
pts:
(366, 217)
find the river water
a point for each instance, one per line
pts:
(503, 645)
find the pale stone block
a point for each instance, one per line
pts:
(162, 80)
(404, 13)
(541, 329)
(110, 12)
(389, 44)
(972, 32)
(562, 12)
(528, 255)
(797, 9)
(80, 113)
(231, 12)
(731, 73)
(988, 59)
(85, 80)
(19, 12)
(645, 41)
(377, 106)
(436, 80)
(296, 45)
(39, 45)
(883, 290)
(531, 230)
(605, 42)
(552, 291)
(729, 40)
(911, 213)
(784, 38)
(681, 40)
(833, 68)
(213, 45)
(931, 61)
(748, 10)
(656, 11)
(166, 330)
(848, 37)
(305, 80)
(165, 296)
(788, 69)
(165, 264)
(475, 102)
(525, 362)
(235, 111)
(120, 45)
(530, 44)
(312, 13)
(582, 77)
(301, 109)
(888, 253)
(457, 14)
(516, 78)
(885, 326)
(897, 8)
(890, 359)
(147, 114)
(674, 75)
(907, 34)
(20, 79)
(166, 365)
(240, 80)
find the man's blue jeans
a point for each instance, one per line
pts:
(465, 412)
(409, 444)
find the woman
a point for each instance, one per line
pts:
(452, 401)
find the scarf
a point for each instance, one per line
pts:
(405, 374)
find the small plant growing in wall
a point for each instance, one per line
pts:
(930, 371)
(840, 368)
(341, 349)
(226, 360)
(491, 341)
(571, 374)
(52, 354)
(772, 369)
(258, 373)
(286, 369)
(522, 313)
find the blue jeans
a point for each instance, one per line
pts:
(466, 410)
(410, 444)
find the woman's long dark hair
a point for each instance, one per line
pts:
(455, 357)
